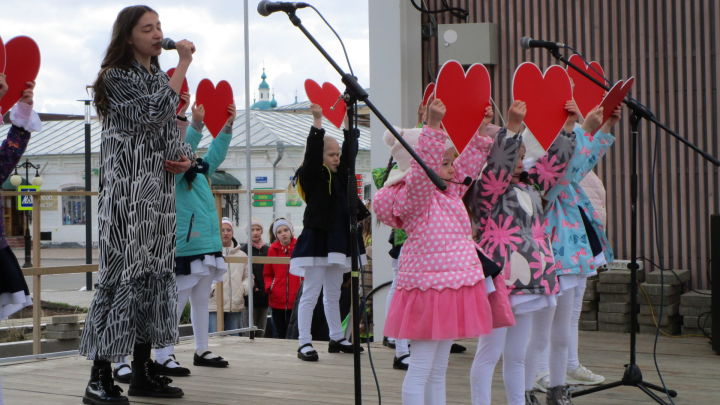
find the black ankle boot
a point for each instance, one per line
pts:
(101, 390)
(146, 382)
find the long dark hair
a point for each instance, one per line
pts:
(119, 53)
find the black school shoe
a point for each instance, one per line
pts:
(334, 346)
(456, 348)
(202, 361)
(388, 343)
(398, 363)
(125, 378)
(163, 369)
(311, 355)
(147, 383)
(101, 390)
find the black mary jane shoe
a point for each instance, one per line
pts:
(336, 346)
(101, 390)
(124, 378)
(179, 371)
(457, 348)
(398, 363)
(311, 355)
(146, 382)
(388, 343)
(202, 361)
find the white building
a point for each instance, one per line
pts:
(59, 150)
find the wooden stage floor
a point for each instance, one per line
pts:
(266, 371)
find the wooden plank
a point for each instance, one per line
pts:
(49, 270)
(266, 371)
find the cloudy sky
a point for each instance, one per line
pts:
(73, 35)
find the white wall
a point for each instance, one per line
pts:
(395, 83)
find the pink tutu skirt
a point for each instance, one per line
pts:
(439, 315)
(502, 313)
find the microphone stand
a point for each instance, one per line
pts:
(632, 375)
(354, 93)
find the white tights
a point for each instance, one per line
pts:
(424, 382)
(401, 345)
(328, 279)
(199, 296)
(512, 343)
(573, 361)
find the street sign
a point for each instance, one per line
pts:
(25, 202)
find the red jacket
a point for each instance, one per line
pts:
(280, 285)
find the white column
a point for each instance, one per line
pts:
(395, 88)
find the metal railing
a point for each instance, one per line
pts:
(37, 271)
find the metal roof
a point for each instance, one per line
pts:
(266, 128)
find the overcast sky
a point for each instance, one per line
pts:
(73, 35)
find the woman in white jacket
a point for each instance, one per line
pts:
(236, 283)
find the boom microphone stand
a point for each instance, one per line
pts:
(354, 93)
(632, 375)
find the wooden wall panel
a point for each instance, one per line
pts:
(671, 47)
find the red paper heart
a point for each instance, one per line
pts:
(465, 96)
(183, 89)
(327, 97)
(545, 96)
(615, 96)
(2, 56)
(22, 65)
(215, 100)
(429, 89)
(587, 94)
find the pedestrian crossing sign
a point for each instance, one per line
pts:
(25, 202)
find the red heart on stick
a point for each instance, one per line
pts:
(429, 89)
(587, 94)
(183, 89)
(327, 97)
(545, 96)
(22, 65)
(216, 101)
(2, 56)
(465, 96)
(615, 96)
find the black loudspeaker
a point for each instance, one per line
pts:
(715, 282)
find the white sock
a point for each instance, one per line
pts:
(208, 356)
(306, 349)
(124, 370)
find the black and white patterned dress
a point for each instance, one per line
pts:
(135, 300)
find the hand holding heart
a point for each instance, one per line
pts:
(487, 118)
(573, 115)
(614, 118)
(316, 111)
(436, 112)
(184, 103)
(593, 120)
(27, 94)
(231, 110)
(198, 112)
(516, 115)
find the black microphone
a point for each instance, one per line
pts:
(527, 43)
(265, 8)
(466, 182)
(167, 44)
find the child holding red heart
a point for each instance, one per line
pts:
(441, 293)
(579, 246)
(322, 251)
(507, 211)
(14, 293)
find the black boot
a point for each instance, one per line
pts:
(146, 382)
(100, 389)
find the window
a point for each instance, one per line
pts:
(73, 207)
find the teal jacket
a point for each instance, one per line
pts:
(198, 226)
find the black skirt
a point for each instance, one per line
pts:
(14, 293)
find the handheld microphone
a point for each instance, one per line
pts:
(527, 43)
(265, 8)
(167, 44)
(466, 182)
